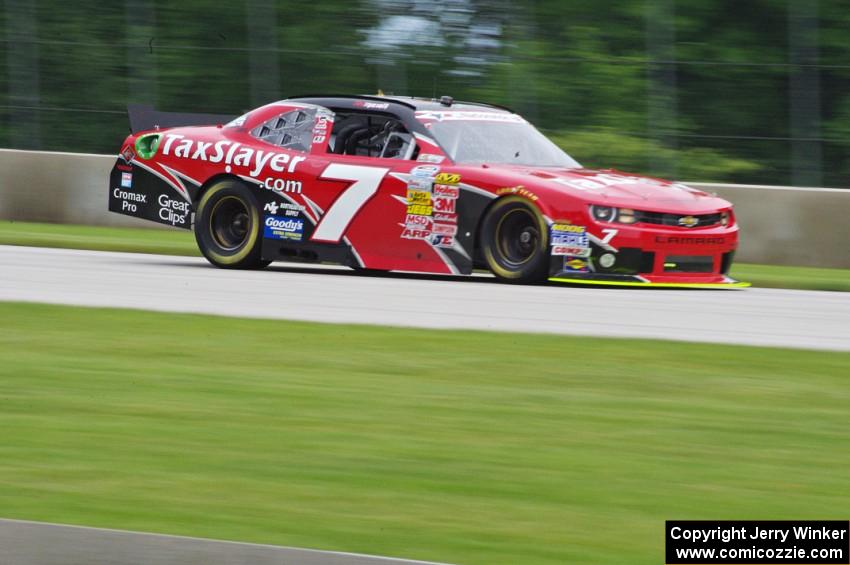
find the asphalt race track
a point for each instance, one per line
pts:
(38, 543)
(783, 318)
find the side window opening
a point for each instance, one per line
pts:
(371, 135)
(291, 130)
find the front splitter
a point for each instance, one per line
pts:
(730, 284)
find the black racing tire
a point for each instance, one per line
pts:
(228, 226)
(515, 241)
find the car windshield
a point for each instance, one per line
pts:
(506, 141)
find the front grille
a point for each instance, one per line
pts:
(662, 219)
(688, 264)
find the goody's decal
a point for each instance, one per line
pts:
(287, 229)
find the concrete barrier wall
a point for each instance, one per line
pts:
(59, 188)
(779, 225)
(790, 226)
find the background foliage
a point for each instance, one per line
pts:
(701, 90)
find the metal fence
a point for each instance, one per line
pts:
(717, 90)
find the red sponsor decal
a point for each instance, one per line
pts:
(416, 221)
(568, 250)
(442, 204)
(411, 233)
(444, 229)
(447, 218)
(446, 190)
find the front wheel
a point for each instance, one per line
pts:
(515, 241)
(227, 226)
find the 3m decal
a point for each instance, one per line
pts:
(445, 205)
(366, 181)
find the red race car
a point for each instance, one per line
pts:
(417, 185)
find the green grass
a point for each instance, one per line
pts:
(180, 242)
(465, 447)
(133, 240)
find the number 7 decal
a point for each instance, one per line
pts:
(366, 181)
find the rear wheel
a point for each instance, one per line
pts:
(515, 241)
(227, 226)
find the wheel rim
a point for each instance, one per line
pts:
(517, 236)
(230, 223)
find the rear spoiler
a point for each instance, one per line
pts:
(144, 117)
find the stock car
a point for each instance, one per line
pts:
(387, 183)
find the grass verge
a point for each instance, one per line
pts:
(180, 242)
(464, 447)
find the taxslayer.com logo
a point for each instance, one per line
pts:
(230, 153)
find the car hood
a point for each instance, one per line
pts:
(615, 188)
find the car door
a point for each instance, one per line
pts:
(379, 204)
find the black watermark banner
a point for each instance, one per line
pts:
(697, 542)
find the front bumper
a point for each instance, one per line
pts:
(649, 256)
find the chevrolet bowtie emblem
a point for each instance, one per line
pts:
(688, 221)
